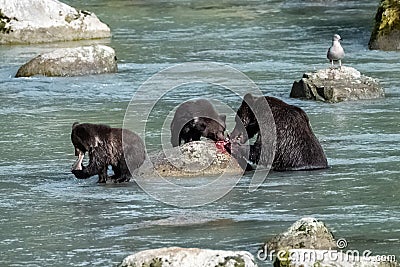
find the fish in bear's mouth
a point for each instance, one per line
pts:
(77, 166)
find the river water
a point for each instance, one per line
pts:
(50, 218)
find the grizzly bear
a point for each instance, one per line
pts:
(296, 146)
(194, 119)
(119, 148)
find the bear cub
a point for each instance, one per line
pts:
(296, 147)
(106, 146)
(194, 119)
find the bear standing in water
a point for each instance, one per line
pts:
(194, 119)
(296, 146)
(106, 147)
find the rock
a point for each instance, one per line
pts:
(336, 85)
(39, 21)
(308, 243)
(330, 258)
(193, 257)
(306, 233)
(197, 158)
(386, 32)
(82, 60)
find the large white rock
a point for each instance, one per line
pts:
(38, 21)
(82, 60)
(193, 257)
(336, 85)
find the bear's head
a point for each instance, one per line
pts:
(80, 138)
(211, 128)
(246, 123)
(84, 136)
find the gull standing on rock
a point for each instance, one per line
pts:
(336, 52)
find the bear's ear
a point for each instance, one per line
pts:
(222, 118)
(249, 98)
(74, 124)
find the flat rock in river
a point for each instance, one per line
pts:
(336, 85)
(82, 60)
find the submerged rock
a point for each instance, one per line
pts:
(39, 21)
(82, 60)
(386, 32)
(198, 158)
(193, 257)
(336, 85)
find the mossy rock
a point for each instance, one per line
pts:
(386, 32)
(308, 233)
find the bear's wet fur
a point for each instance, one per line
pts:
(106, 147)
(296, 146)
(194, 119)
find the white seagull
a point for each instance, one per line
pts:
(336, 52)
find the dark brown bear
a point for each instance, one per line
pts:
(194, 119)
(296, 147)
(106, 147)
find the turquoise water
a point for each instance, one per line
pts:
(48, 217)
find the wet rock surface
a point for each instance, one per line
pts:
(198, 158)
